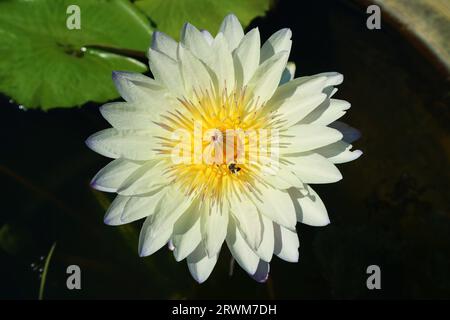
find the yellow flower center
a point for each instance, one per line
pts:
(221, 142)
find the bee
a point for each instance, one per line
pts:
(233, 168)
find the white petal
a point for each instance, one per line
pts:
(307, 137)
(114, 174)
(295, 100)
(279, 41)
(246, 57)
(267, 77)
(333, 78)
(282, 178)
(222, 64)
(129, 144)
(286, 243)
(196, 42)
(305, 99)
(265, 250)
(303, 86)
(166, 71)
(158, 227)
(275, 205)
(328, 112)
(308, 85)
(200, 265)
(214, 227)
(141, 206)
(136, 87)
(150, 239)
(147, 178)
(163, 43)
(295, 109)
(288, 73)
(187, 242)
(232, 30)
(240, 250)
(314, 168)
(262, 272)
(248, 221)
(309, 207)
(208, 37)
(339, 152)
(194, 73)
(186, 233)
(115, 210)
(125, 209)
(122, 115)
(170, 245)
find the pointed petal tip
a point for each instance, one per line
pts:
(199, 280)
(89, 142)
(293, 259)
(170, 245)
(337, 78)
(142, 253)
(208, 37)
(120, 80)
(287, 32)
(335, 175)
(333, 78)
(146, 251)
(322, 223)
(111, 221)
(118, 75)
(200, 277)
(157, 33)
(261, 274)
(186, 26)
(231, 17)
(93, 184)
(102, 108)
(358, 153)
(263, 280)
(94, 142)
(319, 220)
(177, 256)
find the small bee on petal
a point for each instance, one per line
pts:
(233, 168)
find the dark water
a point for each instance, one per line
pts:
(391, 209)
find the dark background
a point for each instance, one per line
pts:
(391, 209)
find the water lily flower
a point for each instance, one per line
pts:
(203, 88)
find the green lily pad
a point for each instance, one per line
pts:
(170, 15)
(45, 64)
